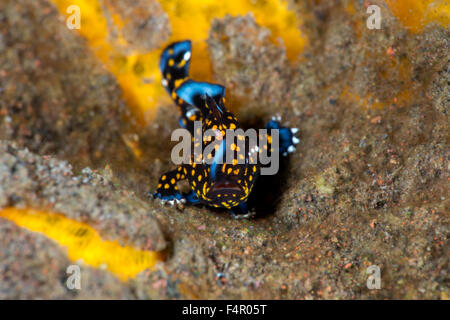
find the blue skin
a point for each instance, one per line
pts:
(191, 89)
(204, 101)
(286, 135)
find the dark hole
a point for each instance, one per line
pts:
(267, 191)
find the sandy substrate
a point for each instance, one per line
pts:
(368, 184)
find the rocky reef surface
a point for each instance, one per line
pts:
(368, 184)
